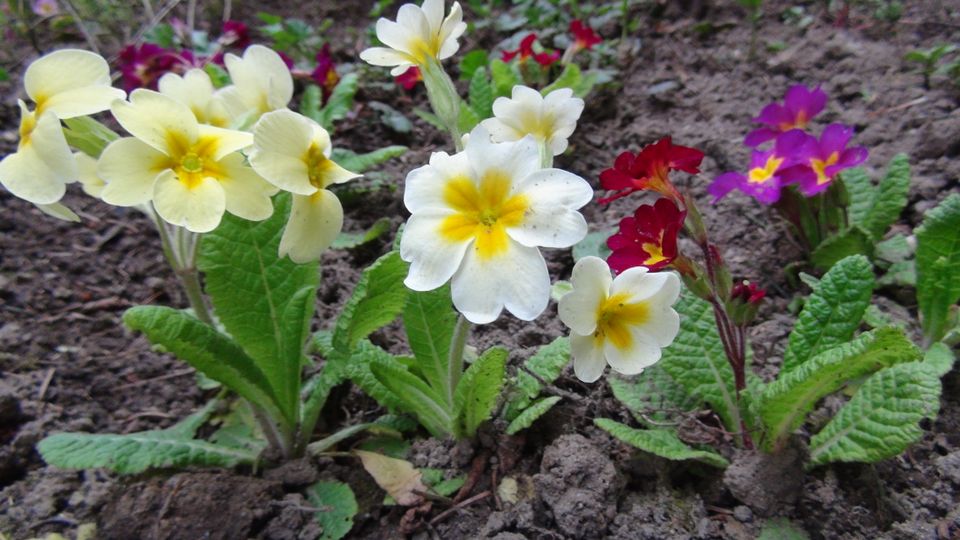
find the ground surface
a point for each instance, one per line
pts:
(68, 365)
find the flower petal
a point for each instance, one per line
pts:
(247, 194)
(27, 177)
(641, 284)
(87, 174)
(59, 211)
(591, 285)
(424, 187)
(315, 221)
(588, 360)
(68, 70)
(157, 120)
(262, 78)
(383, 56)
(433, 259)
(517, 160)
(552, 219)
(130, 168)
(516, 280)
(198, 208)
(82, 101)
(228, 141)
(662, 327)
(641, 353)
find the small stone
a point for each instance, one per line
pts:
(743, 514)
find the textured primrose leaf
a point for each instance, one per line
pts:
(696, 360)
(468, 118)
(337, 506)
(530, 414)
(315, 395)
(477, 392)
(938, 266)
(939, 358)
(210, 352)
(832, 312)
(349, 240)
(252, 290)
(881, 420)
(376, 301)
(659, 442)
(505, 77)
(653, 397)
(415, 396)
(595, 244)
(361, 163)
(786, 401)
(547, 363)
(429, 320)
(356, 366)
(876, 208)
(481, 94)
(340, 102)
(853, 241)
(571, 77)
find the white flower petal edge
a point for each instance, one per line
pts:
(262, 83)
(315, 221)
(551, 119)
(419, 35)
(624, 322)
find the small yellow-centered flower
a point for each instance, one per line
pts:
(195, 90)
(551, 119)
(261, 83)
(419, 35)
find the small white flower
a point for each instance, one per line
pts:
(478, 219)
(551, 119)
(292, 152)
(261, 83)
(624, 322)
(418, 35)
(195, 90)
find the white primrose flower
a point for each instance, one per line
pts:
(551, 119)
(195, 90)
(478, 219)
(292, 152)
(418, 35)
(624, 322)
(63, 84)
(261, 83)
(192, 172)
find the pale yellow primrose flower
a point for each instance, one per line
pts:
(292, 152)
(261, 83)
(195, 90)
(551, 119)
(63, 84)
(419, 35)
(478, 218)
(624, 322)
(192, 172)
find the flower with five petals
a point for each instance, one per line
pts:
(419, 36)
(550, 120)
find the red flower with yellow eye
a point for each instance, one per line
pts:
(649, 170)
(325, 74)
(526, 51)
(583, 36)
(409, 78)
(648, 238)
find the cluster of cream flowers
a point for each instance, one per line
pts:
(194, 152)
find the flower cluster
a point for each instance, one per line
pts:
(796, 157)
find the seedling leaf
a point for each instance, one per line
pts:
(477, 392)
(416, 396)
(530, 414)
(377, 299)
(547, 363)
(336, 504)
(659, 442)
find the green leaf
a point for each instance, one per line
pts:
(787, 400)
(530, 414)
(697, 362)
(261, 299)
(391, 118)
(782, 529)
(212, 353)
(347, 240)
(316, 391)
(360, 163)
(416, 396)
(376, 301)
(939, 358)
(330, 441)
(481, 94)
(430, 118)
(477, 392)
(902, 273)
(336, 506)
(938, 266)
(429, 320)
(87, 135)
(505, 77)
(136, 452)
(853, 241)
(340, 102)
(468, 118)
(833, 312)
(860, 192)
(593, 244)
(894, 249)
(569, 78)
(471, 62)
(881, 420)
(559, 289)
(547, 363)
(356, 366)
(876, 208)
(653, 397)
(310, 102)
(659, 442)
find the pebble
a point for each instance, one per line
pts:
(743, 514)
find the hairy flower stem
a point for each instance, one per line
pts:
(181, 254)
(444, 99)
(458, 343)
(277, 437)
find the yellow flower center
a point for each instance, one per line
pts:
(422, 50)
(540, 126)
(615, 316)
(759, 175)
(191, 163)
(484, 213)
(27, 124)
(318, 167)
(820, 166)
(194, 162)
(654, 253)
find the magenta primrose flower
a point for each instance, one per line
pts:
(770, 170)
(800, 105)
(828, 156)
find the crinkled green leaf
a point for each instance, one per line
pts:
(505, 77)
(332, 440)
(416, 397)
(653, 397)
(696, 360)
(429, 320)
(659, 442)
(310, 102)
(833, 312)
(530, 414)
(429, 118)
(853, 241)
(360, 163)
(901, 273)
(939, 358)
(881, 420)
(356, 366)
(876, 208)
(481, 94)
(348, 240)
(894, 249)
(340, 102)
(376, 301)
(336, 506)
(477, 392)
(787, 401)
(547, 363)
(468, 118)
(571, 77)
(471, 62)
(315, 396)
(938, 266)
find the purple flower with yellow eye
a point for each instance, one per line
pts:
(800, 105)
(828, 156)
(769, 170)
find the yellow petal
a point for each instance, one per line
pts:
(194, 89)
(248, 195)
(315, 221)
(130, 168)
(197, 208)
(284, 132)
(158, 120)
(62, 71)
(261, 78)
(87, 174)
(82, 101)
(51, 146)
(39, 171)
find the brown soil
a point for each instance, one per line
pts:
(68, 365)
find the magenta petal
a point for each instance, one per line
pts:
(852, 157)
(724, 184)
(800, 98)
(759, 136)
(834, 139)
(767, 193)
(624, 259)
(793, 146)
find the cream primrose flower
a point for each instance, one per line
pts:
(261, 83)
(192, 172)
(63, 84)
(419, 35)
(551, 119)
(478, 218)
(292, 152)
(195, 90)
(624, 322)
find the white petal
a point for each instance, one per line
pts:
(412, 19)
(433, 10)
(261, 78)
(63, 71)
(660, 288)
(283, 132)
(517, 160)
(48, 141)
(198, 209)
(591, 285)
(395, 35)
(315, 221)
(157, 120)
(662, 327)
(247, 195)
(26, 176)
(81, 101)
(451, 29)
(517, 280)
(382, 56)
(194, 89)
(588, 360)
(59, 211)
(552, 219)
(641, 353)
(423, 188)
(433, 259)
(130, 168)
(500, 131)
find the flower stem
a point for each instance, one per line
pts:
(444, 99)
(181, 255)
(458, 343)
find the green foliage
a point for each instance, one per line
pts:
(505, 77)
(660, 442)
(338, 105)
(833, 312)
(938, 267)
(593, 244)
(875, 208)
(547, 364)
(472, 62)
(87, 135)
(415, 395)
(337, 506)
(347, 240)
(360, 163)
(574, 79)
(293, 36)
(376, 301)
(786, 401)
(531, 413)
(782, 529)
(481, 94)
(929, 58)
(852, 241)
(478, 389)
(429, 320)
(357, 366)
(653, 397)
